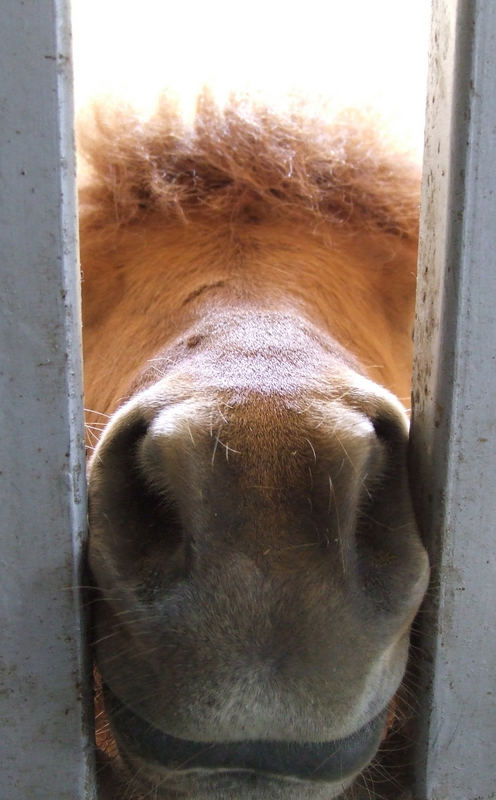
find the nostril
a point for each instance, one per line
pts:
(390, 427)
(390, 559)
(136, 525)
(117, 448)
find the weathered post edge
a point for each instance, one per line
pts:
(46, 748)
(454, 423)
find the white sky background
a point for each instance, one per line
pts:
(350, 52)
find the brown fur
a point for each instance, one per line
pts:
(247, 165)
(226, 196)
(248, 271)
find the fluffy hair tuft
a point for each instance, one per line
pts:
(243, 165)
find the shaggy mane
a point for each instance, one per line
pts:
(244, 165)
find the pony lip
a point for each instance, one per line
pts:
(309, 761)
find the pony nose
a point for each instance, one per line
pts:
(235, 580)
(158, 482)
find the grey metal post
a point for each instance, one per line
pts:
(45, 743)
(454, 406)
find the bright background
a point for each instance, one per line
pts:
(350, 52)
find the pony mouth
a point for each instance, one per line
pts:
(333, 760)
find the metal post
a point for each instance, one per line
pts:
(45, 743)
(454, 407)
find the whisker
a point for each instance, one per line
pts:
(312, 449)
(100, 413)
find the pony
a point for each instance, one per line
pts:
(248, 290)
